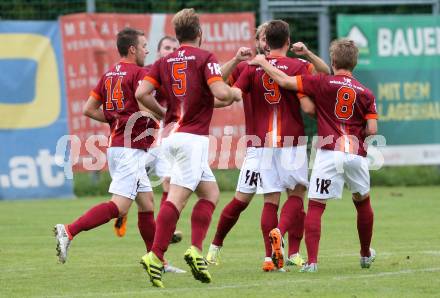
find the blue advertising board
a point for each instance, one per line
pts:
(33, 114)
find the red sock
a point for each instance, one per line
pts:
(164, 197)
(94, 217)
(269, 221)
(365, 218)
(290, 213)
(200, 220)
(313, 229)
(147, 227)
(296, 233)
(228, 218)
(165, 227)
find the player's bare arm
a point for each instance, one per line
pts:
(371, 128)
(142, 108)
(221, 91)
(308, 106)
(243, 54)
(92, 109)
(282, 79)
(143, 95)
(300, 48)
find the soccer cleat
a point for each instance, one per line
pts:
(154, 268)
(120, 226)
(295, 260)
(312, 267)
(268, 265)
(198, 265)
(168, 268)
(277, 242)
(177, 237)
(213, 256)
(63, 242)
(367, 261)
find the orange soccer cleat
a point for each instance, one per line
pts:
(277, 242)
(120, 226)
(268, 265)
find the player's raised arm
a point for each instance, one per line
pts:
(92, 109)
(243, 54)
(282, 79)
(143, 95)
(319, 65)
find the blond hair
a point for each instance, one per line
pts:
(186, 25)
(260, 30)
(344, 54)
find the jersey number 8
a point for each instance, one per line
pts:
(345, 99)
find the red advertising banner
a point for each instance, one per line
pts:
(89, 48)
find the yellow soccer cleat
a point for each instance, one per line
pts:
(154, 268)
(213, 256)
(295, 260)
(198, 265)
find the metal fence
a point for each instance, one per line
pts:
(52, 9)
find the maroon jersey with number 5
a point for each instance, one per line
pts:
(116, 90)
(185, 76)
(343, 106)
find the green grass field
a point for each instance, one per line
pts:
(406, 238)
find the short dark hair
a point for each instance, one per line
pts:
(186, 24)
(277, 34)
(166, 37)
(126, 38)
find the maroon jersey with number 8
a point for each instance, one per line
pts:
(343, 106)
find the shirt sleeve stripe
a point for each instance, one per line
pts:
(371, 116)
(214, 79)
(300, 95)
(152, 81)
(310, 68)
(95, 95)
(299, 84)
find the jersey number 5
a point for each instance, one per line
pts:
(345, 99)
(273, 95)
(179, 76)
(115, 95)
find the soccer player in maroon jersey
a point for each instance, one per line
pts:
(283, 151)
(346, 112)
(126, 156)
(249, 175)
(190, 78)
(155, 160)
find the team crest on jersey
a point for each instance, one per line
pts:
(180, 54)
(273, 62)
(118, 67)
(347, 81)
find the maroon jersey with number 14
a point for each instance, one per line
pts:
(185, 76)
(116, 90)
(343, 107)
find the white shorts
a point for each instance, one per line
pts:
(283, 168)
(127, 170)
(188, 155)
(157, 163)
(249, 180)
(332, 168)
